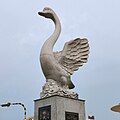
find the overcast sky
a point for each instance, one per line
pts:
(22, 33)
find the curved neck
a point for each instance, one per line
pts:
(47, 47)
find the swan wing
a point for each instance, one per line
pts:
(74, 54)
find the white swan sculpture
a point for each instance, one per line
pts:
(59, 66)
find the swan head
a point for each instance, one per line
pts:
(47, 13)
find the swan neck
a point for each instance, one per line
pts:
(50, 42)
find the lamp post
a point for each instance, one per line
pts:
(8, 105)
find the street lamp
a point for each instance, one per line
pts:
(116, 108)
(8, 105)
(91, 117)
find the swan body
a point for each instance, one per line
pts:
(59, 66)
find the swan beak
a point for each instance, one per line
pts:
(41, 13)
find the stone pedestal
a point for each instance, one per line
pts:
(59, 108)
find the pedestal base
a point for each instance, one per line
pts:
(59, 108)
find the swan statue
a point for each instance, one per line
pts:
(58, 67)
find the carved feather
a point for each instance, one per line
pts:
(74, 54)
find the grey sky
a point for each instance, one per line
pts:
(22, 33)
